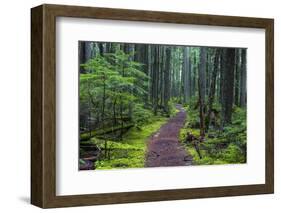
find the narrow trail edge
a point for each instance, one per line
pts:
(164, 148)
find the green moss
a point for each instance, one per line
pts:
(86, 136)
(226, 146)
(233, 154)
(172, 109)
(130, 153)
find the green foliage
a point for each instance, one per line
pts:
(233, 154)
(119, 103)
(130, 153)
(221, 146)
(87, 135)
(113, 89)
(141, 115)
(172, 110)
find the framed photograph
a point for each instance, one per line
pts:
(136, 106)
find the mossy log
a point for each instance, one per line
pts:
(87, 135)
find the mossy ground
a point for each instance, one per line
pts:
(130, 152)
(221, 146)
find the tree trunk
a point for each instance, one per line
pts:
(228, 76)
(194, 71)
(155, 78)
(212, 89)
(101, 49)
(202, 89)
(243, 79)
(85, 53)
(221, 76)
(237, 77)
(186, 75)
(167, 79)
(161, 75)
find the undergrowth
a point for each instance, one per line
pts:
(130, 152)
(225, 145)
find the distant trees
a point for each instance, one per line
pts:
(124, 83)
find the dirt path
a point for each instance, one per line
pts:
(164, 148)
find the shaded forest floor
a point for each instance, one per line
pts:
(164, 148)
(162, 143)
(154, 144)
(225, 145)
(130, 152)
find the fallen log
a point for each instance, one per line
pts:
(87, 135)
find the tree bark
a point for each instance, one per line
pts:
(228, 76)
(85, 53)
(167, 85)
(212, 89)
(155, 78)
(186, 75)
(202, 89)
(243, 79)
(101, 49)
(237, 77)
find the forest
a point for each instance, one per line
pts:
(150, 105)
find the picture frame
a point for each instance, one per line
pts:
(43, 105)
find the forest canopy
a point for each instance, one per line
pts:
(131, 92)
